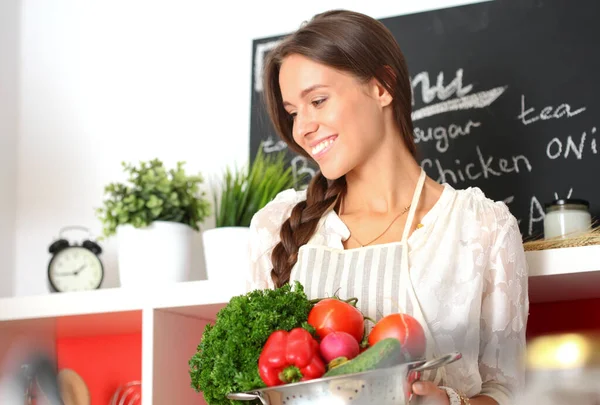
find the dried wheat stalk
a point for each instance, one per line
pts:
(591, 237)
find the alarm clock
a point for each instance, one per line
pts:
(73, 266)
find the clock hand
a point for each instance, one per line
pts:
(72, 273)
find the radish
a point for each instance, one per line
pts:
(339, 345)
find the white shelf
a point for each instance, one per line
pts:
(199, 299)
(564, 274)
(196, 298)
(67, 304)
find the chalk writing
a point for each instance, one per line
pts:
(259, 61)
(443, 134)
(477, 100)
(429, 93)
(556, 197)
(270, 146)
(536, 213)
(443, 93)
(554, 148)
(547, 113)
(301, 169)
(484, 166)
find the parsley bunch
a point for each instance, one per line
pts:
(226, 359)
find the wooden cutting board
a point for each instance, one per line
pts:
(73, 388)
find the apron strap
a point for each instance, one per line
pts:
(413, 205)
(406, 282)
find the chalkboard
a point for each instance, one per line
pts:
(505, 98)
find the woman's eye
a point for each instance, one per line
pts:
(318, 102)
(292, 115)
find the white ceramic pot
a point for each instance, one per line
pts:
(226, 253)
(157, 254)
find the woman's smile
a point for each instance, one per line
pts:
(321, 147)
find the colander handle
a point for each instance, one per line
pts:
(246, 396)
(441, 361)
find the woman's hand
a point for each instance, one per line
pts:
(431, 394)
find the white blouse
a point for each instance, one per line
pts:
(469, 272)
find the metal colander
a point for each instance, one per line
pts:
(384, 386)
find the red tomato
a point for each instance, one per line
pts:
(403, 327)
(333, 315)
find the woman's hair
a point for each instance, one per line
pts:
(350, 42)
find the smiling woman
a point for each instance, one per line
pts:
(338, 93)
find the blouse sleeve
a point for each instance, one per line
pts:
(504, 314)
(264, 236)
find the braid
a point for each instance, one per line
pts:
(302, 224)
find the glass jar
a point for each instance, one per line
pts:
(562, 369)
(566, 217)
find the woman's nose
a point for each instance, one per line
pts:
(305, 125)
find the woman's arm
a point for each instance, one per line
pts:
(504, 314)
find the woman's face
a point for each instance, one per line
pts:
(336, 119)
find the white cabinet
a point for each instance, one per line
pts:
(171, 321)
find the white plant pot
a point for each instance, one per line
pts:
(157, 254)
(226, 254)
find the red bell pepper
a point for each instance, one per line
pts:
(290, 357)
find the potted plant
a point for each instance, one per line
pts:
(242, 192)
(154, 215)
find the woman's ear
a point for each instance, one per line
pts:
(389, 79)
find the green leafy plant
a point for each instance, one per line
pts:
(153, 193)
(245, 191)
(226, 359)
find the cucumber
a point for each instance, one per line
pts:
(385, 353)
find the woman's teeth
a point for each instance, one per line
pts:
(321, 146)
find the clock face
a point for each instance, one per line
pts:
(75, 269)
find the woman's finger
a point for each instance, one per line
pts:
(432, 393)
(424, 388)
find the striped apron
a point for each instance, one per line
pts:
(377, 275)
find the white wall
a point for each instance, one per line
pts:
(9, 73)
(103, 82)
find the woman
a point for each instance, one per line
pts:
(338, 92)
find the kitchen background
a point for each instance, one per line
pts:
(86, 85)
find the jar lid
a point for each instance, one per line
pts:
(568, 201)
(564, 351)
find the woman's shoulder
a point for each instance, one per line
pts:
(475, 207)
(266, 223)
(475, 200)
